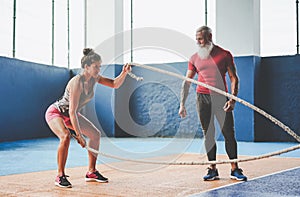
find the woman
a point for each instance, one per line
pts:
(63, 115)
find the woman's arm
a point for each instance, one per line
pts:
(75, 92)
(118, 81)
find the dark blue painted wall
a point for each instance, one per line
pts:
(150, 107)
(244, 116)
(26, 91)
(278, 93)
(154, 103)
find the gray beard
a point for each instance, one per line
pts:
(204, 51)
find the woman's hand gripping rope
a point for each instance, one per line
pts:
(79, 138)
(133, 75)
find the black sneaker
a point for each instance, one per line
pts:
(211, 175)
(237, 174)
(95, 176)
(62, 181)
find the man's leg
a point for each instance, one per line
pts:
(230, 142)
(204, 109)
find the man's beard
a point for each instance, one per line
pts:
(204, 51)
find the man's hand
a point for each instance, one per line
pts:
(229, 105)
(182, 111)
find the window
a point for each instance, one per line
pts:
(183, 17)
(34, 31)
(34, 28)
(278, 27)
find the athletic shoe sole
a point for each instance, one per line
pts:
(212, 179)
(57, 184)
(95, 180)
(238, 179)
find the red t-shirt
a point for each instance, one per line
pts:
(212, 70)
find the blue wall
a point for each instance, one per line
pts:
(150, 107)
(160, 94)
(244, 116)
(26, 91)
(278, 93)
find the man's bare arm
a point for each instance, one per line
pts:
(234, 81)
(185, 92)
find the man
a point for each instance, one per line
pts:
(211, 63)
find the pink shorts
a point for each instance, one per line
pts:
(52, 112)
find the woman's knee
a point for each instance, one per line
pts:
(65, 136)
(96, 135)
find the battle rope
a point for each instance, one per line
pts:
(268, 116)
(196, 163)
(135, 77)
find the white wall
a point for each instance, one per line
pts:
(238, 26)
(104, 21)
(235, 24)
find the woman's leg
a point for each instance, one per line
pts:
(89, 130)
(60, 130)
